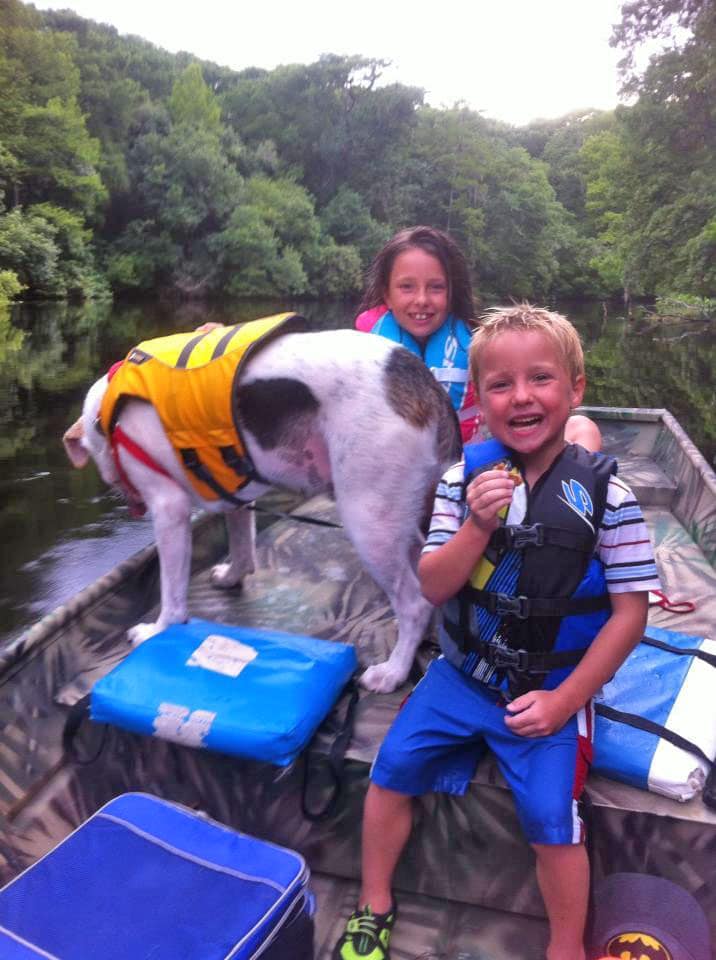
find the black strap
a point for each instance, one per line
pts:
(335, 761)
(79, 712)
(521, 607)
(242, 466)
(688, 651)
(508, 658)
(293, 516)
(519, 536)
(709, 792)
(192, 462)
(649, 726)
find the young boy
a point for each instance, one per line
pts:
(522, 657)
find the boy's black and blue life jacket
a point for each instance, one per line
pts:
(539, 596)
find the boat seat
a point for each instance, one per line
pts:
(652, 487)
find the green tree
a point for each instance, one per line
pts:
(193, 103)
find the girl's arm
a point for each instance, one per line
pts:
(585, 432)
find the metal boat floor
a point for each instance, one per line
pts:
(431, 929)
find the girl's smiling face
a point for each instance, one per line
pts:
(527, 394)
(418, 292)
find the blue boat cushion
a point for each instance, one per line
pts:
(245, 691)
(146, 878)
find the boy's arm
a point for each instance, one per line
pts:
(445, 570)
(542, 712)
(442, 572)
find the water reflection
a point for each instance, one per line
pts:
(61, 528)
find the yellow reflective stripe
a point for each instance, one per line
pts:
(168, 349)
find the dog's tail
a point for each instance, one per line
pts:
(449, 438)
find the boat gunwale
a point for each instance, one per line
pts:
(52, 625)
(666, 419)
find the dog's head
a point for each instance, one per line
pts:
(83, 440)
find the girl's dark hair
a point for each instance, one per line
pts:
(437, 244)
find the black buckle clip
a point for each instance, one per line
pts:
(520, 537)
(507, 606)
(506, 658)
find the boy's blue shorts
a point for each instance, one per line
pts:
(443, 730)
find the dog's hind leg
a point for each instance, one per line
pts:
(241, 530)
(413, 613)
(389, 547)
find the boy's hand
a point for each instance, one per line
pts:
(486, 495)
(538, 713)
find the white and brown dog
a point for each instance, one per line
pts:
(336, 411)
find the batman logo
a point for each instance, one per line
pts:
(637, 946)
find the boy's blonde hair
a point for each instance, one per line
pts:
(523, 316)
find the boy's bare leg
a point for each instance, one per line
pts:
(387, 821)
(563, 878)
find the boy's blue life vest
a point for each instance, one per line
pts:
(445, 352)
(546, 599)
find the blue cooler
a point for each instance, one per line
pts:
(144, 879)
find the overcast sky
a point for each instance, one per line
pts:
(514, 60)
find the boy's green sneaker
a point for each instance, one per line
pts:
(366, 937)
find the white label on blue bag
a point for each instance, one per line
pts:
(222, 655)
(174, 722)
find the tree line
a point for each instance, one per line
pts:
(128, 170)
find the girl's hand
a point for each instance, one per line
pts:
(486, 495)
(537, 713)
(208, 326)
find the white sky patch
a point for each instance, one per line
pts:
(514, 61)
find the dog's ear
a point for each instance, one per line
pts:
(74, 446)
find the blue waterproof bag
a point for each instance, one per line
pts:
(244, 691)
(656, 718)
(144, 879)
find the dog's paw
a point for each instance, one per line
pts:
(381, 678)
(142, 632)
(224, 577)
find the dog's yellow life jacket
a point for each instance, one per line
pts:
(191, 379)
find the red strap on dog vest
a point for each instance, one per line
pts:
(120, 439)
(114, 368)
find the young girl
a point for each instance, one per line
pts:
(419, 294)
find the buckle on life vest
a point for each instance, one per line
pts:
(506, 658)
(519, 536)
(505, 605)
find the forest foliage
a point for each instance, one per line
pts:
(126, 169)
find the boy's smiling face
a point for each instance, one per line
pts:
(527, 395)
